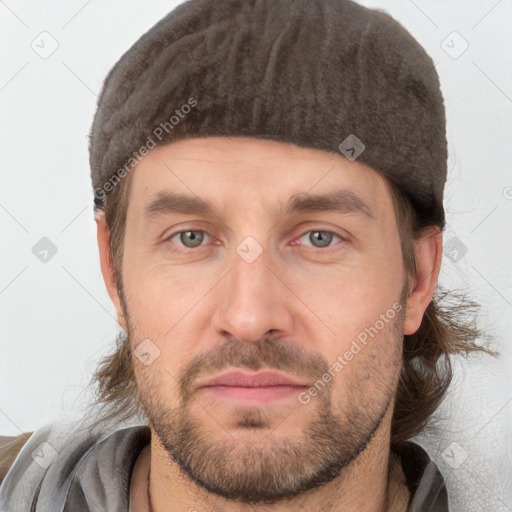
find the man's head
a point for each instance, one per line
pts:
(295, 266)
(301, 257)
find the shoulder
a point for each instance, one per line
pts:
(63, 464)
(10, 447)
(25, 460)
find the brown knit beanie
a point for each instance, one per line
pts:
(306, 72)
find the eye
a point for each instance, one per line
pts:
(192, 238)
(319, 238)
(188, 239)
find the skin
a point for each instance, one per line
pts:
(208, 453)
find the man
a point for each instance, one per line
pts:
(268, 183)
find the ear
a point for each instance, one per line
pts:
(107, 269)
(428, 253)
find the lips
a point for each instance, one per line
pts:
(253, 380)
(252, 389)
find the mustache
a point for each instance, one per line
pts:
(266, 352)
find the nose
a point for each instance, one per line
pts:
(252, 301)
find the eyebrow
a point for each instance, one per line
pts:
(341, 201)
(171, 202)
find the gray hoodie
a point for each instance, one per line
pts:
(61, 469)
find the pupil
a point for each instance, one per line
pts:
(322, 237)
(193, 237)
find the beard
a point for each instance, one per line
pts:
(259, 465)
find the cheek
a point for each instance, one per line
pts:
(158, 296)
(360, 304)
(352, 297)
(162, 303)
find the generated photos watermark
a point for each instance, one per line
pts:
(342, 360)
(157, 134)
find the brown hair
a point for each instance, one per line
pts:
(448, 327)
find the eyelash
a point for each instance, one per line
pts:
(169, 238)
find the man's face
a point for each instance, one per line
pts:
(252, 285)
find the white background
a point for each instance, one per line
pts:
(56, 317)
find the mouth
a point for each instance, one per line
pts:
(253, 388)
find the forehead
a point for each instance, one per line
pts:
(251, 174)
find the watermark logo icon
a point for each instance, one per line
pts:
(454, 45)
(455, 249)
(454, 455)
(44, 250)
(352, 147)
(249, 249)
(146, 352)
(44, 455)
(45, 45)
